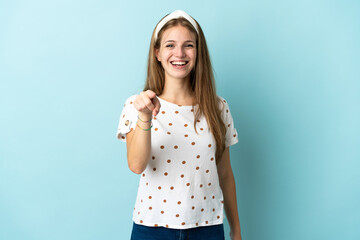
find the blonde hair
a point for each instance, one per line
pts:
(201, 80)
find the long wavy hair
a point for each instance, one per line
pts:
(201, 80)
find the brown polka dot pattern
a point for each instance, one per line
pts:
(182, 160)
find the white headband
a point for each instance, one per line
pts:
(174, 15)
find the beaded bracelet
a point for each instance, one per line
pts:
(144, 128)
(144, 121)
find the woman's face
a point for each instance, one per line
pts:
(177, 52)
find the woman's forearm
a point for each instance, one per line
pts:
(140, 145)
(228, 188)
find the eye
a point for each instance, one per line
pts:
(189, 45)
(170, 45)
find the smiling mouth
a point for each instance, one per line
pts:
(179, 63)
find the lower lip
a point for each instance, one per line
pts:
(179, 67)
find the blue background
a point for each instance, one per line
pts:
(290, 71)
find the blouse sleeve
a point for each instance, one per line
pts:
(231, 136)
(128, 118)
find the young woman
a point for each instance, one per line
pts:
(178, 133)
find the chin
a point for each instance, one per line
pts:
(182, 76)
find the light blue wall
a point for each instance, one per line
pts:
(290, 71)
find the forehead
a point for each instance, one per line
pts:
(178, 34)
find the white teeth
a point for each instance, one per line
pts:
(178, 63)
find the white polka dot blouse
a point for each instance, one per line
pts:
(179, 188)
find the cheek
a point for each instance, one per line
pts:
(194, 57)
(165, 56)
(192, 54)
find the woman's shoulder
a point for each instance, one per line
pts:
(221, 102)
(221, 98)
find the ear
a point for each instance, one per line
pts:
(157, 55)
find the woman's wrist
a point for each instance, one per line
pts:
(145, 117)
(146, 120)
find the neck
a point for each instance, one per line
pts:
(178, 91)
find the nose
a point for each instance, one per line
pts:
(179, 52)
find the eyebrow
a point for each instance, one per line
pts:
(175, 41)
